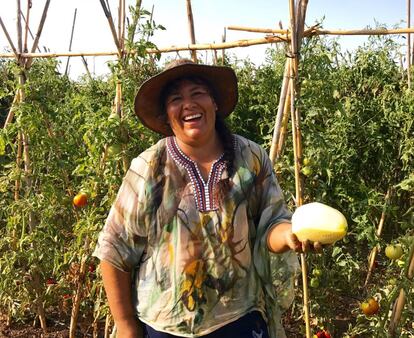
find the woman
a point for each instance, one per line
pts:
(185, 248)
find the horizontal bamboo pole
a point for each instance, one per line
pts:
(55, 55)
(223, 45)
(316, 31)
(239, 43)
(258, 30)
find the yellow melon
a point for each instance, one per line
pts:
(318, 222)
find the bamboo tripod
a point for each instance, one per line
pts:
(288, 98)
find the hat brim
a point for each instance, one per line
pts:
(221, 80)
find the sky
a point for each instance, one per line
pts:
(92, 33)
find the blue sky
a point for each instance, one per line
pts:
(92, 32)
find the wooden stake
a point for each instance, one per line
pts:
(279, 115)
(71, 39)
(286, 112)
(223, 40)
(400, 302)
(18, 166)
(107, 326)
(86, 67)
(19, 28)
(16, 54)
(26, 22)
(374, 251)
(111, 25)
(191, 29)
(297, 19)
(78, 296)
(39, 33)
(409, 44)
(10, 115)
(26, 28)
(135, 19)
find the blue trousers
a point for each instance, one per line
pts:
(251, 325)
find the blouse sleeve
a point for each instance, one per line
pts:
(272, 206)
(277, 271)
(122, 239)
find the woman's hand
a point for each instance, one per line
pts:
(294, 244)
(129, 329)
(281, 239)
(117, 285)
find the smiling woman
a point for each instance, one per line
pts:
(195, 219)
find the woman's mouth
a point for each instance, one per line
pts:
(192, 117)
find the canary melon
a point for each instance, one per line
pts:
(318, 222)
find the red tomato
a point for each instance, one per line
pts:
(80, 200)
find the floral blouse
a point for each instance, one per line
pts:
(198, 261)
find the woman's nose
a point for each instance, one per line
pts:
(188, 101)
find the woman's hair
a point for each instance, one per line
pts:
(223, 131)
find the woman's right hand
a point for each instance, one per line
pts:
(130, 329)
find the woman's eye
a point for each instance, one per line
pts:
(173, 99)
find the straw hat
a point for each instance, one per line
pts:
(221, 80)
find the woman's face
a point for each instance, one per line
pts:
(191, 112)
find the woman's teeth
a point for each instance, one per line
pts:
(191, 117)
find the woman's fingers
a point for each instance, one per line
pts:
(305, 246)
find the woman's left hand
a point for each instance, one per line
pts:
(294, 244)
(281, 238)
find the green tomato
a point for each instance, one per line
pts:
(314, 282)
(114, 150)
(394, 251)
(307, 171)
(317, 272)
(306, 161)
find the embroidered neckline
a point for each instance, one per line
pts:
(204, 192)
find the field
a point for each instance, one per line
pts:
(67, 137)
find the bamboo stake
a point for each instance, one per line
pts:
(78, 296)
(26, 22)
(9, 40)
(71, 39)
(223, 40)
(39, 301)
(284, 127)
(279, 115)
(135, 19)
(296, 20)
(400, 302)
(10, 115)
(119, 21)
(18, 166)
(107, 326)
(85, 63)
(409, 44)
(191, 29)
(19, 28)
(38, 34)
(111, 25)
(374, 251)
(26, 29)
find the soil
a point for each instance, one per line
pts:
(56, 328)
